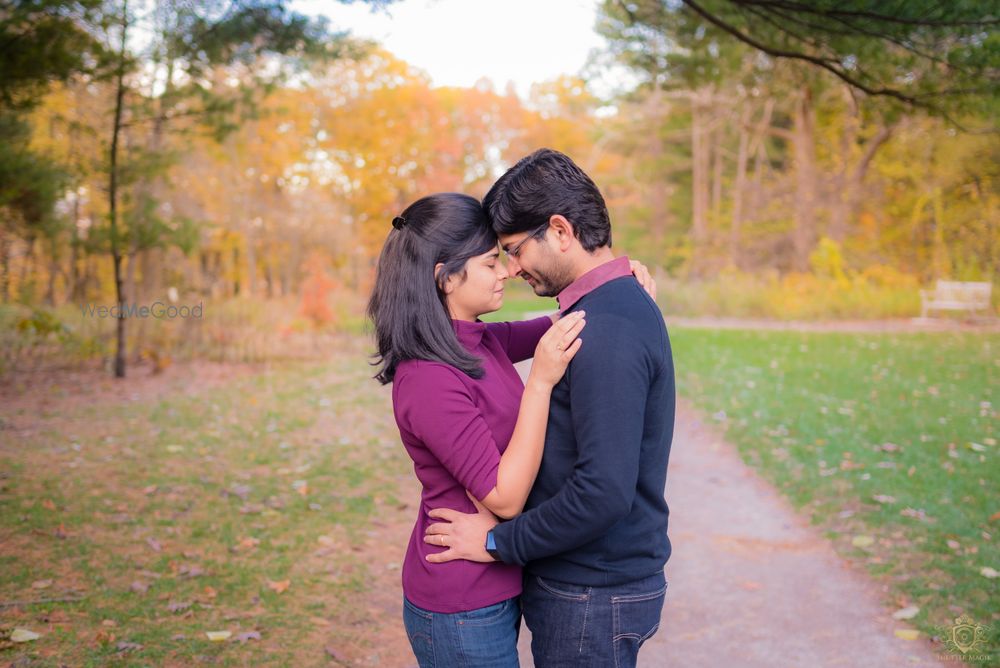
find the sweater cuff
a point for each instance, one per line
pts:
(503, 534)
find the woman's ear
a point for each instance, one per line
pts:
(448, 285)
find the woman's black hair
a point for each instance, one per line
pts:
(408, 305)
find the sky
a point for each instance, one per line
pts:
(457, 42)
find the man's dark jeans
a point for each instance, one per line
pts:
(574, 626)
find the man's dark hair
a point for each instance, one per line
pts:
(542, 185)
(407, 305)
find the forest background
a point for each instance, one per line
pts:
(239, 163)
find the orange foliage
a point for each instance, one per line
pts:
(316, 289)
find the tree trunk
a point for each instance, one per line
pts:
(804, 141)
(841, 204)
(700, 157)
(50, 289)
(29, 254)
(658, 195)
(739, 189)
(113, 199)
(718, 166)
(5, 246)
(73, 289)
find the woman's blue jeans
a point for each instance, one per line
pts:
(481, 638)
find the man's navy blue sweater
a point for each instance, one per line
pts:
(596, 514)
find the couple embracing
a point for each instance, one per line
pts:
(542, 498)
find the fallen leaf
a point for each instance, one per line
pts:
(909, 612)
(210, 592)
(219, 636)
(154, 544)
(862, 541)
(248, 635)
(104, 637)
(175, 448)
(278, 587)
(335, 654)
(995, 516)
(988, 572)
(110, 623)
(907, 634)
(48, 504)
(191, 571)
(24, 635)
(241, 491)
(178, 606)
(149, 490)
(139, 587)
(248, 543)
(954, 544)
(884, 498)
(128, 646)
(41, 584)
(915, 513)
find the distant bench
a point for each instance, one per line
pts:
(955, 296)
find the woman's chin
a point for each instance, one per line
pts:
(496, 305)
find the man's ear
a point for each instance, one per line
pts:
(563, 230)
(448, 285)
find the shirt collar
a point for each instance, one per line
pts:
(593, 279)
(469, 333)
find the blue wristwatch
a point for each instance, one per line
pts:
(491, 546)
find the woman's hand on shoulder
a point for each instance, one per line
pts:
(556, 348)
(645, 279)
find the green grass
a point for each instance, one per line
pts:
(197, 476)
(835, 420)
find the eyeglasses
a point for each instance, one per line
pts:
(515, 250)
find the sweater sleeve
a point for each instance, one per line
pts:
(520, 338)
(434, 405)
(608, 385)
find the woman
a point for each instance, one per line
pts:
(464, 416)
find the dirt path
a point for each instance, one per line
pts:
(752, 584)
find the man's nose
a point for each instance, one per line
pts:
(513, 268)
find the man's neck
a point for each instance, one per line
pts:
(593, 260)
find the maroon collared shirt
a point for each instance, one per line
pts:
(592, 280)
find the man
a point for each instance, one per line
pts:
(593, 536)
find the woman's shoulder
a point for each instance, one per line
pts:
(421, 372)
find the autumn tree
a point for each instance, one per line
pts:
(185, 77)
